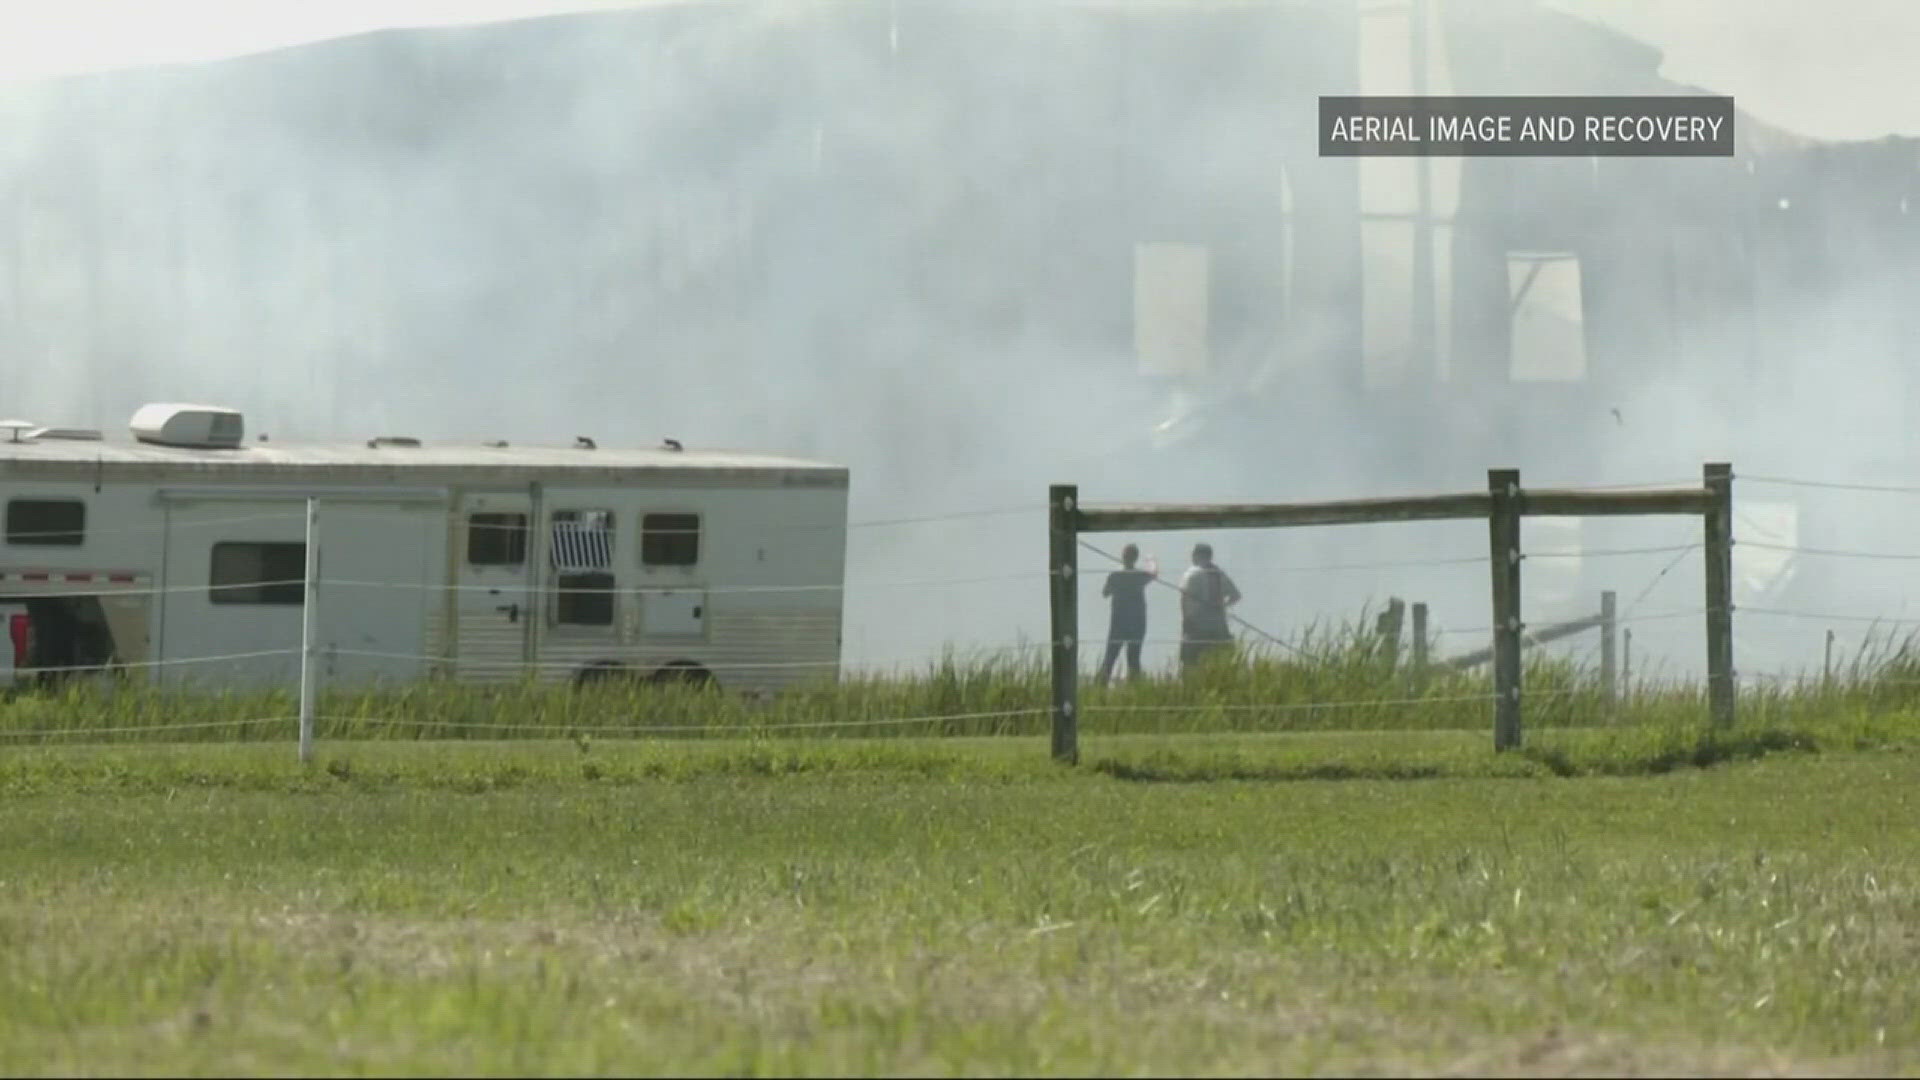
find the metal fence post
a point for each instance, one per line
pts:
(1063, 536)
(1503, 528)
(1609, 644)
(310, 630)
(1719, 550)
(1420, 646)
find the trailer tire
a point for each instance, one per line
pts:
(684, 672)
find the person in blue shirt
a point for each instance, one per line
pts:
(1127, 629)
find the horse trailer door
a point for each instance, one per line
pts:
(496, 604)
(377, 563)
(231, 608)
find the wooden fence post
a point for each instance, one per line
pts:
(1503, 529)
(1063, 535)
(1419, 646)
(1719, 551)
(1626, 663)
(1387, 628)
(1609, 640)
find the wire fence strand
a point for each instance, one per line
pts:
(143, 729)
(1842, 553)
(1790, 613)
(1831, 485)
(1294, 706)
(565, 730)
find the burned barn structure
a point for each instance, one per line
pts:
(602, 205)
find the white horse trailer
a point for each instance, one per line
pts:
(180, 558)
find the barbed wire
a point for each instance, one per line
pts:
(730, 590)
(750, 728)
(15, 536)
(1598, 553)
(1001, 511)
(565, 730)
(108, 668)
(1690, 483)
(31, 590)
(658, 657)
(558, 730)
(622, 658)
(1835, 485)
(141, 729)
(1231, 616)
(1835, 552)
(39, 590)
(1627, 616)
(1618, 619)
(562, 730)
(1789, 613)
(16, 593)
(1295, 706)
(574, 665)
(46, 577)
(335, 511)
(1836, 680)
(1261, 570)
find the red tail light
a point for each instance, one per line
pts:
(17, 629)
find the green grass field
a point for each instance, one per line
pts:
(951, 906)
(1213, 890)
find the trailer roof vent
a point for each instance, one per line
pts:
(199, 427)
(379, 441)
(18, 430)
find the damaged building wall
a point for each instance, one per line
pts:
(444, 218)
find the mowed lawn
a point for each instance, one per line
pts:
(942, 907)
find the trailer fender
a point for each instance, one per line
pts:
(686, 672)
(600, 671)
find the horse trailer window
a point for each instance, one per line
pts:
(670, 539)
(583, 559)
(496, 539)
(46, 522)
(584, 599)
(245, 572)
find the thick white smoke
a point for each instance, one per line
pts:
(753, 225)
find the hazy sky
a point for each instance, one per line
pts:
(1837, 69)
(39, 38)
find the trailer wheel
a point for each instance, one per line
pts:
(685, 673)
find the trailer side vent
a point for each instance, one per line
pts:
(379, 441)
(196, 427)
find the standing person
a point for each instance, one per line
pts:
(1127, 628)
(1206, 594)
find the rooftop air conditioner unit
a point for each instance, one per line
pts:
(198, 427)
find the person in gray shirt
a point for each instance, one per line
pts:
(1206, 594)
